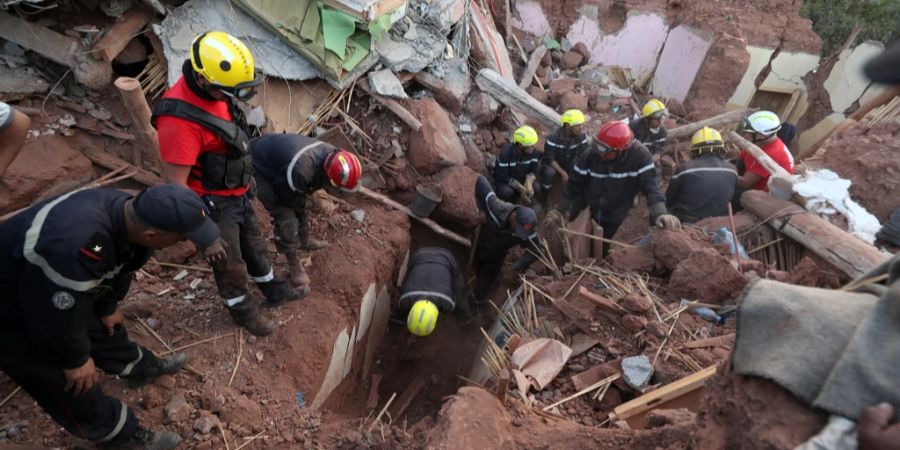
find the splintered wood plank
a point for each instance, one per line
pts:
(633, 412)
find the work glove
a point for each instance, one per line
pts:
(216, 253)
(527, 197)
(529, 183)
(668, 221)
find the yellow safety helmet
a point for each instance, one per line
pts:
(572, 117)
(525, 136)
(225, 62)
(653, 108)
(707, 139)
(422, 318)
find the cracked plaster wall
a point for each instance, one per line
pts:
(636, 46)
(681, 58)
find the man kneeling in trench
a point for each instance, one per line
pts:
(433, 284)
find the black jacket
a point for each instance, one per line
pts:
(65, 261)
(563, 149)
(497, 236)
(655, 142)
(277, 158)
(514, 165)
(609, 187)
(701, 188)
(432, 275)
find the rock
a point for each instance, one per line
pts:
(672, 247)
(753, 265)
(178, 410)
(633, 323)
(450, 83)
(539, 94)
(205, 423)
(384, 82)
(636, 303)
(46, 166)
(676, 107)
(658, 418)
(571, 60)
(100, 114)
(560, 87)
(436, 145)
(179, 253)
(482, 108)
(657, 329)
(706, 276)
(636, 371)
(243, 410)
(633, 259)
(474, 157)
(358, 215)
(581, 49)
(546, 60)
(458, 186)
(573, 100)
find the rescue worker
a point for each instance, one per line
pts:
(288, 168)
(68, 262)
(607, 179)
(204, 145)
(505, 226)
(13, 131)
(433, 284)
(562, 148)
(761, 128)
(649, 129)
(516, 168)
(703, 186)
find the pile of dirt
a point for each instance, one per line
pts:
(867, 156)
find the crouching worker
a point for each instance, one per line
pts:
(288, 168)
(517, 167)
(505, 226)
(703, 186)
(433, 284)
(67, 263)
(562, 149)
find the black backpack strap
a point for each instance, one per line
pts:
(229, 132)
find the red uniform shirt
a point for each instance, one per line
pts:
(181, 141)
(778, 152)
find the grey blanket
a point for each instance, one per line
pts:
(838, 351)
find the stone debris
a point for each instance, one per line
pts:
(636, 371)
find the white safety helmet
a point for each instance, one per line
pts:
(762, 123)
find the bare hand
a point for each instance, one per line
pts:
(668, 222)
(82, 379)
(565, 176)
(875, 430)
(216, 252)
(110, 321)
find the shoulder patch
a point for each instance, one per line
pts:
(97, 247)
(62, 300)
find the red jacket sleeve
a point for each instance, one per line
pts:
(180, 140)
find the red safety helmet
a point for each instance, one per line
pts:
(343, 169)
(615, 136)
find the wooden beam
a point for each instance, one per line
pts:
(119, 35)
(760, 156)
(725, 340)
(533, 63)
(655, 399)
(136, 104)
(716, 122)
(600, 301)
(406, 398)
(393, 106)
(427, 222)
(846, 252)
(516, 98)
(103, 159)
(584, 379)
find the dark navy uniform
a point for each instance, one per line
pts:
(563, 149)
(288, 167)
(513, 164)
(654, 141)
(432, 275)
(66, 263)
(497, 237)
(701, 188)
(609, 187)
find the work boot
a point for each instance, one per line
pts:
(162, 366)
(278, 292)
(145, 439)
(246, 314)
(309, 244)
(298, 276)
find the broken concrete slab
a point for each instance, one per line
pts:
(512, 95)
(384, 82)
(21, 80)
(436, 145)
(636, 371)
(449, 81)
(411, 55)
(271, 55)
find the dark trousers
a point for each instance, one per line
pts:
(288, 217)
(92, 415)
(247, 252)
(488, 264)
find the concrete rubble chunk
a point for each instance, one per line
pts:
(436, 145)
(358, 215)
(482, 108)
(178, 410)
(636, 371)
(571, 60)
(399, 54)
(384, 82)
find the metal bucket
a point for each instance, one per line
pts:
(426, 199)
